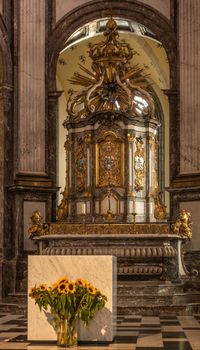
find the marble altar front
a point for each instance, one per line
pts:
(143, 250)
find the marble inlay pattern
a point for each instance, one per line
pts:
(133, 333)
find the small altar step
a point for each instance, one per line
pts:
(160, 310)
(17, 298)
(156, 298)
(12, 307)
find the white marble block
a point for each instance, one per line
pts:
(99, 270)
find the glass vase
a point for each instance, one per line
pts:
(66, 334)
(72, 339)
(62, 333)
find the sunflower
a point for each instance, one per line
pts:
(91, 289)
(32, 292)
(43, 287)
(62, 287)
(61, 280)
(41, 296)
(80, 282)
(71, 287)
(54, 286)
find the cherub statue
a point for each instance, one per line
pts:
(183, 226)
(37, 227)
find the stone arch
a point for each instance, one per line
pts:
(130, 9)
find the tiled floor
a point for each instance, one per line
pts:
(133, 333)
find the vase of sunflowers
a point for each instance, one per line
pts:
(68, 301)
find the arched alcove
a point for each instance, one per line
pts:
(140, 12)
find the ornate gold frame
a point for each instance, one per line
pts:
(110, 181)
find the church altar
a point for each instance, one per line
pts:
(143, 251)
(113, 200)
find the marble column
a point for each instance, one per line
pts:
(5, 173)
(31, 75)
(189, 50)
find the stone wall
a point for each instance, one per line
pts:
(63, 6)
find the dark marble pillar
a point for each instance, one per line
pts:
(51, 132)
(6, 163)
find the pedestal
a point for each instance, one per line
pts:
(98, 270)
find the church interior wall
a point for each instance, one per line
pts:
(36, 152)
(63, 6)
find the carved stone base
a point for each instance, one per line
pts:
(140, 256)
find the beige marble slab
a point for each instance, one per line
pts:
(98, 270)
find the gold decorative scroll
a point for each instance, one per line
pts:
(139, 164)
(111, 83)
(109, 161)
(108, 229)
(80, 165)
(62, 209)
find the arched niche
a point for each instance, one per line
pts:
(130, 10)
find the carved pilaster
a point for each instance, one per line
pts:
(31, 89)
(51, 123)
(88, 141)
(174, 129)
(189, 48)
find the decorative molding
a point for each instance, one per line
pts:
(108, 229)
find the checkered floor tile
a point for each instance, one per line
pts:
(133, 333)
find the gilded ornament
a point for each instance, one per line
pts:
(37, 228)
(111, 83)
(131, 137)
(88, 138)
(183, 226)
(80, 165)
(139, 165)
(108, 229)
(160, 209)
(110, 161)
(62, 210)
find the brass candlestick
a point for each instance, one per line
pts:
(134, 229)
(109, 214)
(84, 223)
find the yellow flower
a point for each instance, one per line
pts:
(60, 281)
(32, 292)
(81, 283)
(54, 285)
(63, 279)
(91, 289)
(71, 287)
(43, 287)
(66, 289)
(62, 287)
(41, 296)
